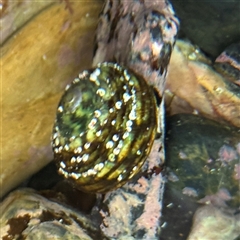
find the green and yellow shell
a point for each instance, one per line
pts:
(105, 126)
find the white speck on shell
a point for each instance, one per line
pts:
(78, 150)
(125, 135)
(111, 157)
(98, 133)
(109, 144)
(126, 97)
(72, 138)
(85, 157)
(73, 160)
(67, 87)
(134, 168)
(97, 113)
(57, 141)
(118, 104)
(120, 178)
(87, 145)
(94, 75)
(129, 123)
(92, 123)
(101, 92)
(60, 109)
(62, 165)
(120, 144)
(79, 159)
(63, 172)
(76, 80)
(132, 115)
(126, 75)
(116, 151)
(76, 175)
(115, 137)
(81, 134)
(129, 129)
(131, 82)
(66, 147)
(55, 135)
(99, 166)
(91, 172)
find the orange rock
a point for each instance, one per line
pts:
(193, 86)
(37, 63)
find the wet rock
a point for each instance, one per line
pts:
(14, 14)
(212, 25)
(193, 86)
(38, 61)
(202, 160)
(203, 157)
(27, 215)
(139, 35)
(177, 214)
(215, 223)
(134, 210)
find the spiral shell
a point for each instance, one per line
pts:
(105, 126)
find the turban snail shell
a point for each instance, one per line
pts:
(105, 126)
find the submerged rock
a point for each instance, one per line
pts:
(212, 25)
(202, 163)
(215, 223)
(27, 215)
(203, 156)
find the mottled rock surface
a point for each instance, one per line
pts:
(28, 215)
(215, 223)
(193, 86)
(202, 159)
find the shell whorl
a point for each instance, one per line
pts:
(105, 126)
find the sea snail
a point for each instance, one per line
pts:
(105, 126)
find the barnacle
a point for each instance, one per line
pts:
(105, 126)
